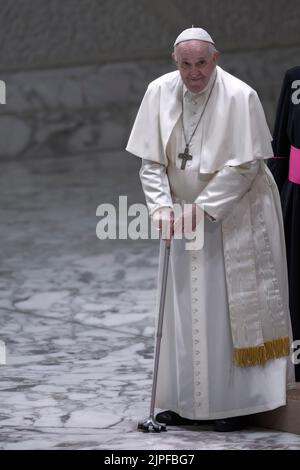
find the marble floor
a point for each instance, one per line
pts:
(77, 316)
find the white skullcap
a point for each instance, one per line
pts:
(193, 33)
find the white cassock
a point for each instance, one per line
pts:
(197, 376)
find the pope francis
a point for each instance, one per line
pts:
(203, 139)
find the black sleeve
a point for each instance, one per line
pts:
(279, 165)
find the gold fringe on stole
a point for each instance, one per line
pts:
(257, 355)
(278, 347)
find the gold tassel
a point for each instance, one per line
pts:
(250, 356)
(278, 347)
(257, 355)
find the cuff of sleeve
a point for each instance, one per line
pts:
(211, 217)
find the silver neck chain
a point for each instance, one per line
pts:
(187, 142)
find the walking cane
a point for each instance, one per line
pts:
(151, 424)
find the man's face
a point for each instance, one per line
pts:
(195, 62)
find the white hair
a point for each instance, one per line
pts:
(211, 48)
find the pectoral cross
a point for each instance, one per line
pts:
(185, 157)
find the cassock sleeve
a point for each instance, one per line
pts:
(226, 188)
(155, 185)
(281, 142)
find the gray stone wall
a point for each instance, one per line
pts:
(52, 33)
(75, 71)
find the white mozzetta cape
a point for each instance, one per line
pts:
(234, 125)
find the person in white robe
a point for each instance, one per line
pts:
(203, 139)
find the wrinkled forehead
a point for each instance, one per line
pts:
(192, 48)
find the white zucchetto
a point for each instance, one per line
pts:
(193, 33)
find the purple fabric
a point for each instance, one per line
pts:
(294, 167)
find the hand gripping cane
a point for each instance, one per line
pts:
(150, 424)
